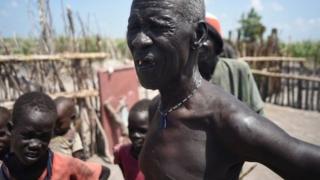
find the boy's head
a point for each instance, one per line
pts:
(66, 114)
(5, 116)
(33, 117)
(138, 124)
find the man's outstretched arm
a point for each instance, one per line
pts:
(255, 138)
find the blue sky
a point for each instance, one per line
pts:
(296, 19)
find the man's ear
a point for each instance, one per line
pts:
(200, 35)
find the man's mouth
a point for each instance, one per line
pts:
(32, 155)
(145, 63)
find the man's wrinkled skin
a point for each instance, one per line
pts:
(212, 134)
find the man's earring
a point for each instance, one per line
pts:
(195, 46)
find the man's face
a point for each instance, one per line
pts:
(159, 40)
(31, 137)
(207, 58)
(138, 127)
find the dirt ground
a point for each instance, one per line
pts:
(304, 125)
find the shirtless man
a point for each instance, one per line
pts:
(197, 130)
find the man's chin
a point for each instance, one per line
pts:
(30, 160)
(149, 84)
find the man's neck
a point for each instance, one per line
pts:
(178, 89)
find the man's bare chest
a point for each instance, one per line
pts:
(186, 148)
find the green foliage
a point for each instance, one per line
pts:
(308, 49)
(19, 45)
(116, 47)
(121, 45)
(251, 27)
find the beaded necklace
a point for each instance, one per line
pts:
(164, 114)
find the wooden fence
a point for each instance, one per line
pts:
(289, 90)
(281, 81)
(289, 65)
(70, 75)
(54, 74)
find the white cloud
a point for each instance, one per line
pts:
(14, 3)
(306, 24)
(277, 7)
(257, 5)
(314, 21)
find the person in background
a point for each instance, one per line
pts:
(234, 76)
(127, 155)
(66, 139)
(5, 118)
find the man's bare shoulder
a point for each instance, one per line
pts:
(227, 110)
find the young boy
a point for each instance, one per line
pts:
(127, 155)
(34, 116)
(5, 116)
(66, 139)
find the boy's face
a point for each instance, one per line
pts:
(65, 117)
(207, 58)
(31, 137)
(4, 136)
(138, 127)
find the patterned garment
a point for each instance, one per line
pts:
(64, 168)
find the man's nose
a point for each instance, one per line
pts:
(142, 40)
(35, 144)
(136, 135)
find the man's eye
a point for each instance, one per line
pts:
(46, 137)
(26, 136)
(157, 27)
(3, 133)
(133, 27)
(73, 117)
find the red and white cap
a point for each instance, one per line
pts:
(214, 31)
(213, 21)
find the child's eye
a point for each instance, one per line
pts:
(46, 137)
(26, 136)
(73, 117)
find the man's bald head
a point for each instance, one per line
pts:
(190, 10)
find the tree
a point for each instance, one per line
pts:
(251, 27)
